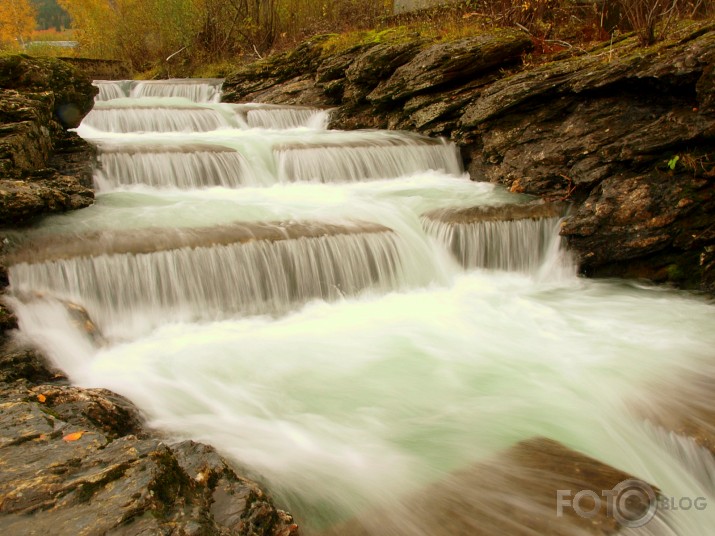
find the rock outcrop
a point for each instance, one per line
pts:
(79, 461)
(43, 168)
(624, 132)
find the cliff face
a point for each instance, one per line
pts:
(625, 133)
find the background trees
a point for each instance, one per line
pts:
(17, 21)
(197, 32)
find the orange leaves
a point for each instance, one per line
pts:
(41, 398)
(17, 21)
(75, 436)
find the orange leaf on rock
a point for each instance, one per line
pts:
(41, 398)
(73, 436)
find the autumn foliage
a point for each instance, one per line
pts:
(17, 21)
(146, 33)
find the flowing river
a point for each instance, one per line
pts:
(316, 305)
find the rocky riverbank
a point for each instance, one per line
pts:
(625, 133)
(81, 461)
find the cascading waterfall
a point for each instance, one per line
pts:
(385, 342)
(283, 118)
(208, 283)
(151, 118)
(164, 166)
(197, 90)
(370, 160)
(520, 246)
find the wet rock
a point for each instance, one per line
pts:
(26, 125)
(21, 363)
(42, 168)
(298, 91)
(78, 461)
(152, 240)
(514, 493)
(512, 212)
(664, 67)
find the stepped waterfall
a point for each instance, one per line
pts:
(348, 317)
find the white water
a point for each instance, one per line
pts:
(358, 389)
(206, 90)
(521, 245)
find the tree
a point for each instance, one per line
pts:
(50, 15)
(17, 21)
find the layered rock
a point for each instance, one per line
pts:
(79, 461)
(43, 168)
(626, 133)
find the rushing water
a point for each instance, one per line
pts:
(275, 289)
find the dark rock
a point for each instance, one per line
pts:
(42, 168)
(335, 66)
(73, 91)
(110, 475)
(23, 201)
(26, 126)
(20, 363)
(664, 67)
(298, 91)
(446, 63)
(257, 77)
(377, 64)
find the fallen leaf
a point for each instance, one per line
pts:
(42, 398)
(73, 436)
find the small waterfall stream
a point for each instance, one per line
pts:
(352, 319)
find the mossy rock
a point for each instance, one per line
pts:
(73, 90)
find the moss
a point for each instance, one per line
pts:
(674, 273)
(338, 43)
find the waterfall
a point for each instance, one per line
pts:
(520, 245)
(284, 118)
(387, 158)
(218, 281)
(161, 166)
(112, 89)
(106, 118)
(196, 90)
(353, 319)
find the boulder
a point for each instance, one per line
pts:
(515, 492)
(452, 62)
(43, 168)
(73, 91)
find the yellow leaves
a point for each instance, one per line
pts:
(75, 436)
(17, 21)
